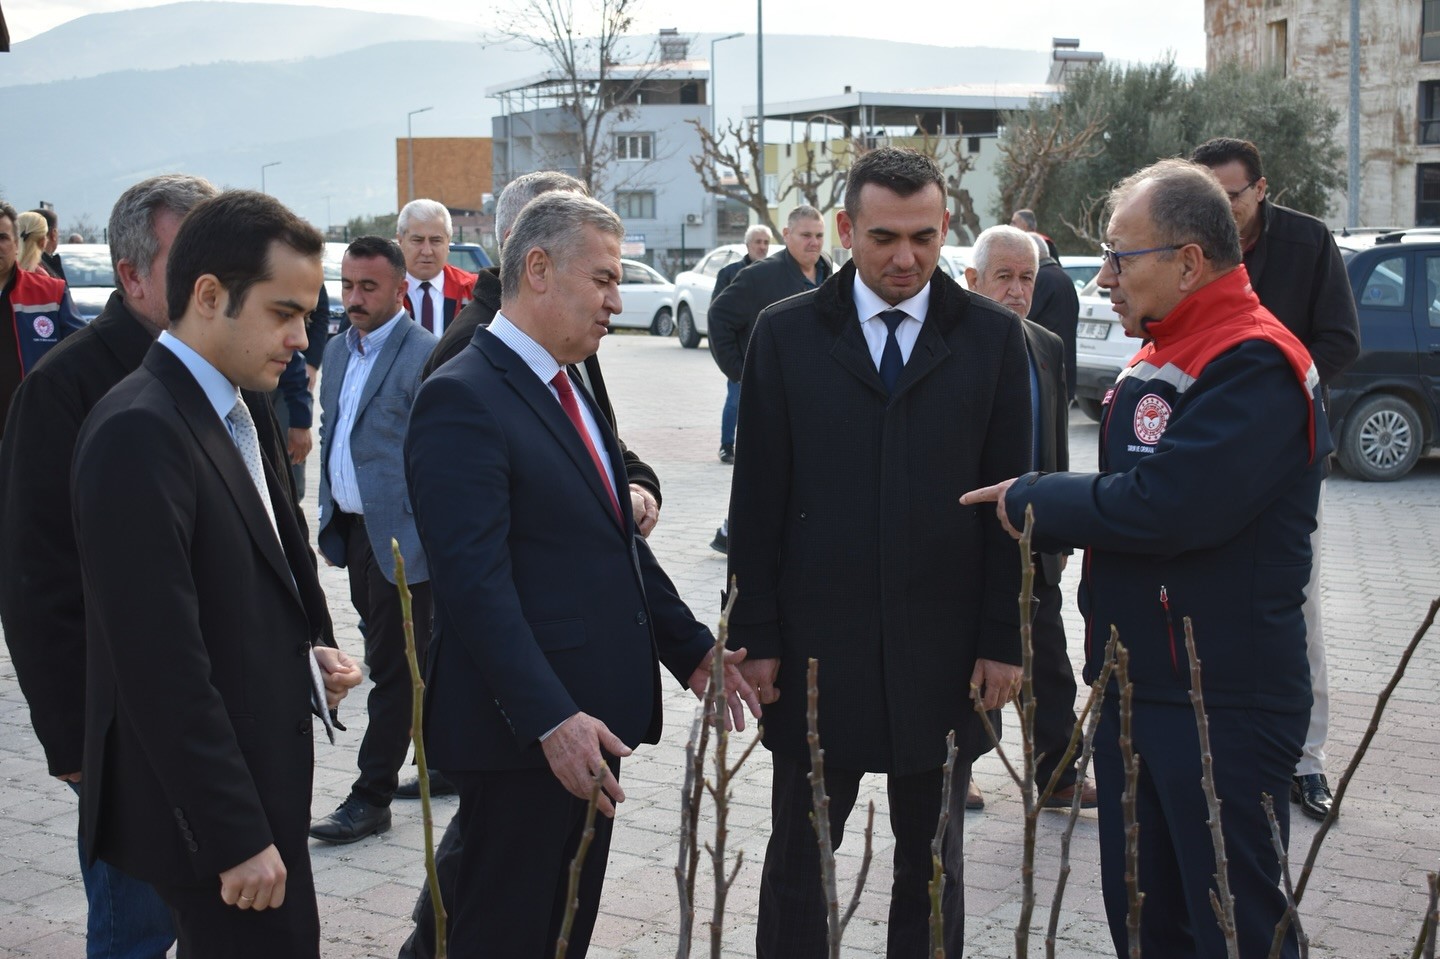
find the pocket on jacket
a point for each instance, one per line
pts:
(559, 634)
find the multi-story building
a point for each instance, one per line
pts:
(642, 168)
(1399, 95)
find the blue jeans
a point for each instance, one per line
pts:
(730, 413)
(128, 920)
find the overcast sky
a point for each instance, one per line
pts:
(1121, 29)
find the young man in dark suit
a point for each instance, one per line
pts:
(202, 604)
(552, 617)
(866, 407)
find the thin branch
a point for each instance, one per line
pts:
(572, 892)
(864, 868)
(821, 817)
(1380, 704)
(1131, 761)
(417, 735)
(1026, 706)
(1278, 844)
(1224, 902)
(937, 859)
(1090, 720)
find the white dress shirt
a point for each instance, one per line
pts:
(437, 299)
(869, 306)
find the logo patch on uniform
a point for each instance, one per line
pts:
(1152, 414)
(44, 327)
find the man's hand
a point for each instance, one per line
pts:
(340, 672)
(760, 674)
(574, 753)
(738, 691)
(311, 374)
(298, 445)
(997, 682)
(257, 883)
(993, 494)
(647, 511)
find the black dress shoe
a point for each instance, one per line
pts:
(721, 542)
(353, 821)
(727, 453)
(1312, 792)
(439, 786)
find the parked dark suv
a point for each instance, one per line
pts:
(1384, 409)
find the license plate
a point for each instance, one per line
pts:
(1093, 331)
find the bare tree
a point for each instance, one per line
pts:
(1037, 142)
(594, 76)
(954, 161)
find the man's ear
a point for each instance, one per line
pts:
(539, 269)
(129, 277)
(209, 297)
(1192, 267)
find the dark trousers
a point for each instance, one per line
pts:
(206, 928)
(792, 904)
(387, 737)
(519, 831)
(1054, 682)
(1254, 752)
(421, 944)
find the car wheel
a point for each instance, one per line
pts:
(663, 324)
(685, 324)
(1089, 407)
(1382, 440)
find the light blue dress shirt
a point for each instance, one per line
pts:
(222, 394)
(363, 347)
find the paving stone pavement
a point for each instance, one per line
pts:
(1365, 899)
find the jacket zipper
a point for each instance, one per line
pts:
(1170, 628)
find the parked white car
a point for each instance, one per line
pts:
(1081, 269)
(1101, 349)
(692, 293)
(649, 300)
(954, 260)
(90, 276)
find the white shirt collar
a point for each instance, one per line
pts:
(535, 356)
(869, 305)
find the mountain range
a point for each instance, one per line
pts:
(221, 89)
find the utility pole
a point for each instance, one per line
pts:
(760, 96)
(410, 154)
(1352, 201)
(263, 168)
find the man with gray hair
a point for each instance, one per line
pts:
(757, 247)
(41, 599)
(1212, 444)
(552, 617)
(435, 290)
(1006, 266)
(644, 498)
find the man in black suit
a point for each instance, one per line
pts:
(41, 600)
(757, 247)
(865, 407)
(644, 499)
(551, 616)
(1005, 268)
(1056, 306)
(202, 604)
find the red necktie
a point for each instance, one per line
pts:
(427, 309)
(561, 382)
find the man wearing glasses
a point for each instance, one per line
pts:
(1210, 461)
(1298, 273)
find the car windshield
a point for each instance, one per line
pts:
(89, 269)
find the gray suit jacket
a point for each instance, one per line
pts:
(377, 446)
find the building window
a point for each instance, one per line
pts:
(1277, 53)
(1430, 112)
(634, 146)
(635, 204)
(1427, 194)
(1430, 30)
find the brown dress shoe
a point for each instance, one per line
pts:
(1062, 798)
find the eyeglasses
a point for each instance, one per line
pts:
(1113, 256)
(1237, 194)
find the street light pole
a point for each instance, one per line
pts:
(728, 36)
(410, 154)
(263, 168)
(760, 96)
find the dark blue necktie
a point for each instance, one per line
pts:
(891, 362)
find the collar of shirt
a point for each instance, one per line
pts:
(869, 306)
(222, 394)
(437, 290)
(541, 363)
(368, 344)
